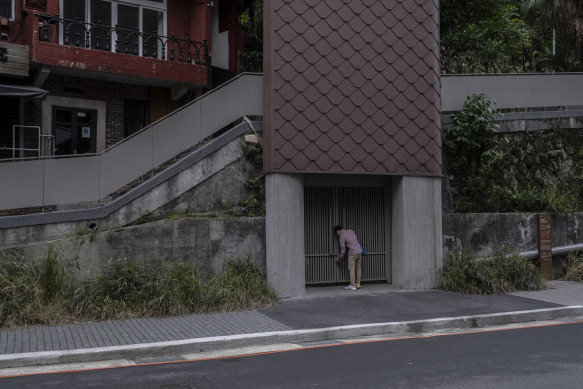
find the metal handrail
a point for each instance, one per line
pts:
(189, 51)
(41, 182)
(555, 250)
(146, 128)
(185, 106)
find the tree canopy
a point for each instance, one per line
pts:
(493, 36)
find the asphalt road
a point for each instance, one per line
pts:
(536, 357)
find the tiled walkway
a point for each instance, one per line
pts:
(133, 331)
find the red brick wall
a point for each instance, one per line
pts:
(183, 17)
(352, 87)
(104, 61)
(112, 93)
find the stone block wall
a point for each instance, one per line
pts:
(206, 243)
(483, 233)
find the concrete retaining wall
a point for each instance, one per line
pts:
(199, 187)
(482, 233)
(207, 243)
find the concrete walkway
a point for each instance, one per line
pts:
(324, 313)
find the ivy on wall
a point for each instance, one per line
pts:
(534, 171)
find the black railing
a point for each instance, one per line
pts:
(97, 36)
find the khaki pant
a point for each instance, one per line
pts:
(355, 261)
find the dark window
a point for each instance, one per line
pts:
(74, 12)
(75, 130)
(128, 18)
(101, 15)
(9, 116)
(6, 9)
(153, 25)
(135, 116)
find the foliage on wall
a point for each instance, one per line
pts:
(518, 172)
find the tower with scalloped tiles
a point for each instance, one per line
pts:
(353, 87)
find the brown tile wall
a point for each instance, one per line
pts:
(352, 86)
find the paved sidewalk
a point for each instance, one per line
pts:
(324, 313)
(133, 331)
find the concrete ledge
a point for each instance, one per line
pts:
(294, 336)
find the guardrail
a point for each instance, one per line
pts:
(90, 178)
(99, 36)
(555, 250)
(514, 90)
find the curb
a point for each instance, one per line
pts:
(292, 336)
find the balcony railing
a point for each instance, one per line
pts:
(97, 36)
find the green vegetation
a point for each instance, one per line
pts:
(43, 292)
(251, 56)
(143, 218)
(505, 272)
(254, 206)
(473, 124)
(564, 20)
(486, 36)
(493, 36)
(536, 171)
(574, 270)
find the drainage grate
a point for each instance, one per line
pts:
(171, 358)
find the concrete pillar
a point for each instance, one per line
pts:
(285, 252)
(416, 232)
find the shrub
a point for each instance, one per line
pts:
(32, 293)
(45, 293)
(505, 272)
(474, 123)
(574, 267)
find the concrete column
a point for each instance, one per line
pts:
(416, 232)
(285, 252)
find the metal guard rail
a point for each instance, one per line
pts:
(91, 178)
(90, 36)
(555, 250)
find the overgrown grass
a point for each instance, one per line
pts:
(505, 272)
(574, 267)
(43, 292)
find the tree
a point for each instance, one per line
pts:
(252, 23)
(482, 36)
(565, 17)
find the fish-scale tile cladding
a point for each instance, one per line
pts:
(352, 86)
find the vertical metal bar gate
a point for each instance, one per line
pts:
(361, 209)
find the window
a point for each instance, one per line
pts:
(148, 16)
(75, 130)
(135, 116)
(7, 9)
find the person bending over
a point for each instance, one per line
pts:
(349, 242)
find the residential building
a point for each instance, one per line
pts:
(110, 67)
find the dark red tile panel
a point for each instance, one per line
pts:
(352, 86)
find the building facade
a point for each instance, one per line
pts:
(110, 67)
(353, 137)
(351, 114)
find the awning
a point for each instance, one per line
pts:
(22, 91)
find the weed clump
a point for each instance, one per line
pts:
(43, 292)
(505, 272)
(33, 293)
(574, 267)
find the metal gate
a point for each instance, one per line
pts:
(361, 209)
